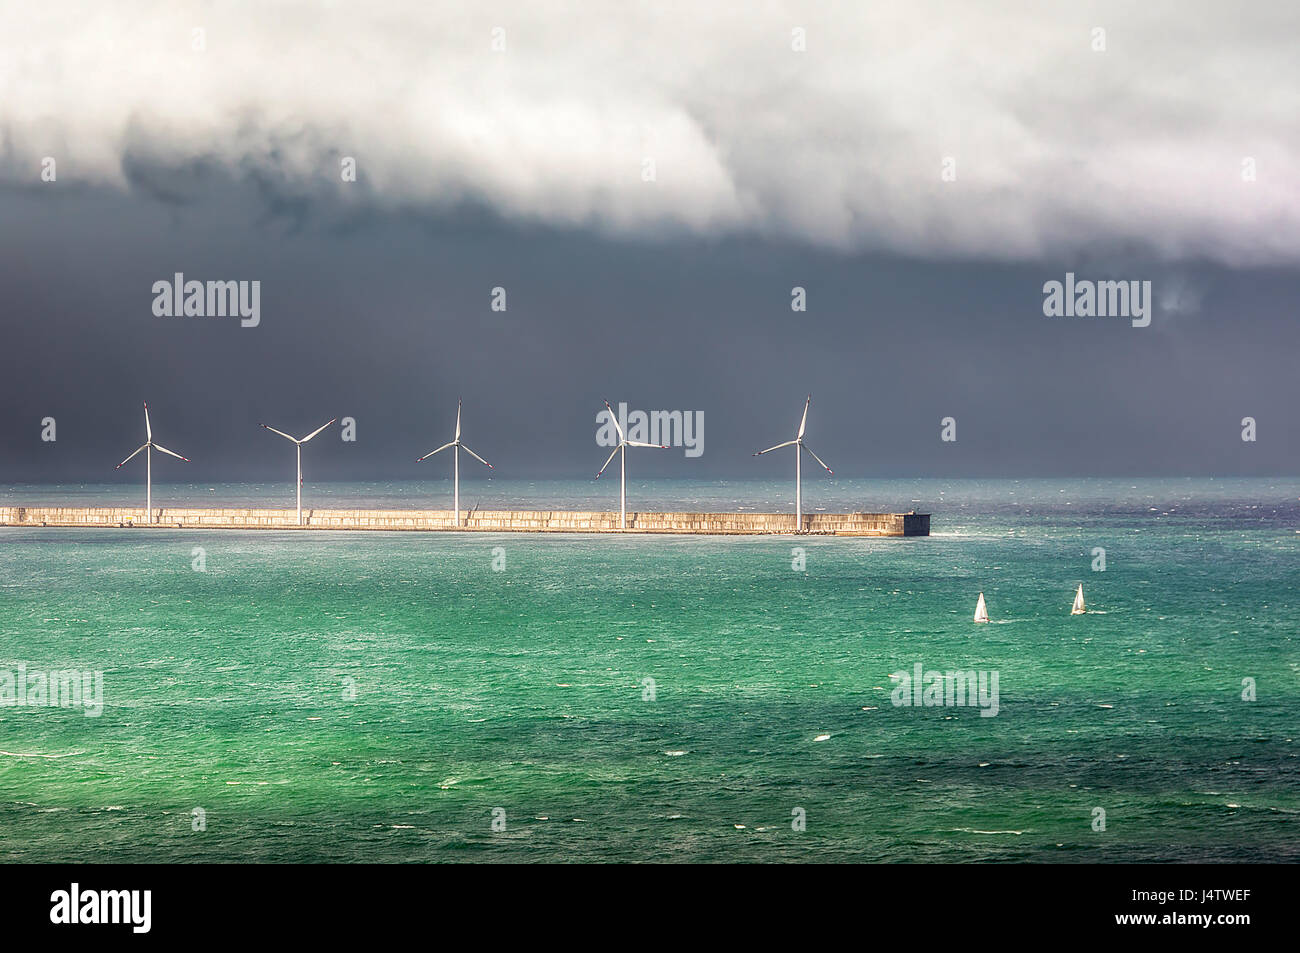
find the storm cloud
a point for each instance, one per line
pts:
(1166, 127)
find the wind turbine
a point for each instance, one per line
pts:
(798, 444)
(459, 447)
(623, 444)
(149, 447)
(300, 443)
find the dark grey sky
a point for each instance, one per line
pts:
(504, 144)
(387, 319)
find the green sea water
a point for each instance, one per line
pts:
(387, 697)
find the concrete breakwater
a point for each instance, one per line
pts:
(483, 521)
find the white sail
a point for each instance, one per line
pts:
(981, 610)
(1078, 608)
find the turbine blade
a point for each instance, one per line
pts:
(611, 457)
(614, 417)
(477, 457)
(317, 430)
(803, 424)
(432, 452)
(148, 430)
(777, 447)
(638, 443)
(280, 432)
(172, 452)
(128, 459)
(458, 420)
(817, 458)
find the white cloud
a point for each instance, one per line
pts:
(1058, 148)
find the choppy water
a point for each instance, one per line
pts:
(524, 689)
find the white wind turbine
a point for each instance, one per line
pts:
(798, 444)
(300, 443)
(623, 444)
(149, 447)
(459, 447)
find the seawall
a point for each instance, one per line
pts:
(484, 521)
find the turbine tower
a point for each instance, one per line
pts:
(300, 443)
(798, 444)
(459, 447)
(149, 447)
(623, 444)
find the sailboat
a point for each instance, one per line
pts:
(1078, 608)
(981, 610)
